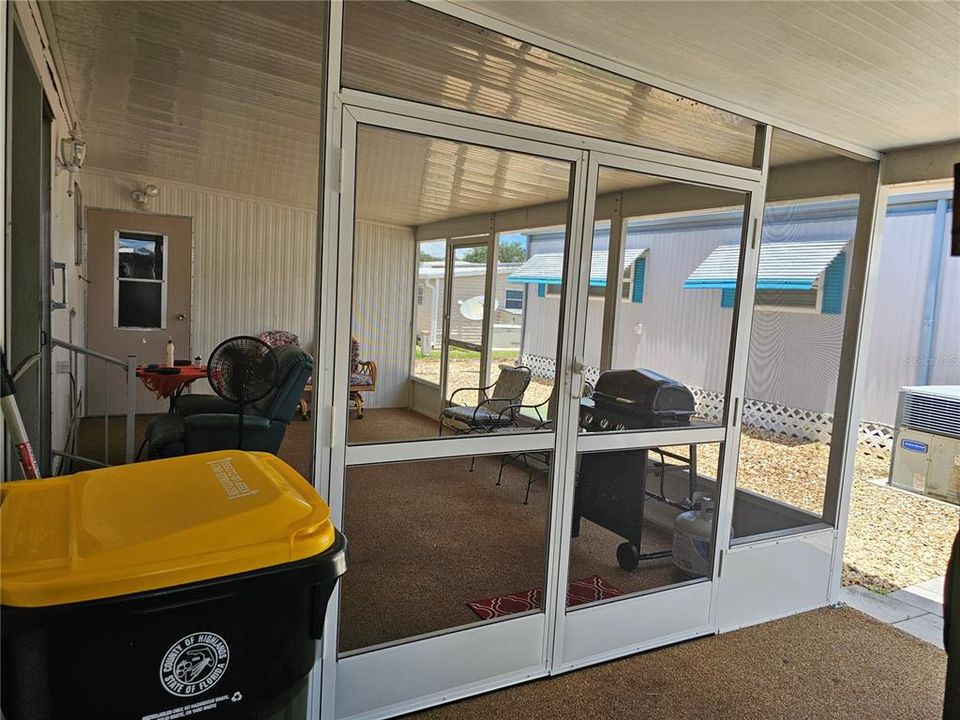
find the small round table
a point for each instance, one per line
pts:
(171, 385)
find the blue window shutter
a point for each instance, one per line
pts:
(639, 270)
(542, 290)
(727, 297)
(832, 303)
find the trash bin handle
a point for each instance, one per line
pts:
(319, 516)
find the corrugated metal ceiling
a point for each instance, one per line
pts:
(878, 74)
(219, 94)
(406, 179)
(226, 95)
(409, 51)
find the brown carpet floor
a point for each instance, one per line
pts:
(831, 664)
(428, 537)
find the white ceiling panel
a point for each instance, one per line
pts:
(879, 74)
(407, 179)
(219, 94)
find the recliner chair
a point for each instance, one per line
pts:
(203, 423)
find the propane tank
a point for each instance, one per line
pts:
(691, 536)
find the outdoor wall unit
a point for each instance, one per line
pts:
(926, 450)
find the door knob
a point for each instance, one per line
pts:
(181, 316)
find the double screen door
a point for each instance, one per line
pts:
(566, 530)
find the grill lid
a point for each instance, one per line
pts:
(643, 390)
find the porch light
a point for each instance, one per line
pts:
(73, 151)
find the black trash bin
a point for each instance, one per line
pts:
(189, 587)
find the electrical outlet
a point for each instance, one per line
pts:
(63, 367)
(638, 329)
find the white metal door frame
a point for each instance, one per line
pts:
(450, 266)
(550, 626)
(401, 685)
(659, 616)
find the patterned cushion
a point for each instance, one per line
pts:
(275, 338)
(481, 417)
(354, 354)
(360, 379)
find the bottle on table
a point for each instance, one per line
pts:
(170, 352)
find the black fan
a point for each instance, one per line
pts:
(242, 370)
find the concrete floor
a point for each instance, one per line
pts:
(917, 609)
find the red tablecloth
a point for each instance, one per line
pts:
(166, 385)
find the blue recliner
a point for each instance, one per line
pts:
(203, 423)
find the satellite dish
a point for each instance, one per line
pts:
(472, 308)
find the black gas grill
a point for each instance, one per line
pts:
(637, 399)
(612, 486)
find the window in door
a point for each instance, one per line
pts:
(141, 282)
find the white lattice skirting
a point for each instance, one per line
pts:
(810, 425)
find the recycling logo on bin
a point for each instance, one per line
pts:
(194, 664)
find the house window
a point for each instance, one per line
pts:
(419, 293)
(513, 300)
(140, 297)
(792, 276)
(808, 300)
(631, 286)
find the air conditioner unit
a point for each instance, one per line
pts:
(926, 449)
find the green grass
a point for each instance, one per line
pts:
(461, 354)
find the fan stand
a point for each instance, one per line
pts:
(240, 428)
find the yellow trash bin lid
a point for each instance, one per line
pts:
(146, 526)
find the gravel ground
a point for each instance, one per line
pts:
(894, 539)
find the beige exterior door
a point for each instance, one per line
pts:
(139, 296)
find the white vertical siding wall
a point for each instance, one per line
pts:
(383, 286)
(945, 369)
(793, 356)
(893, 355)
(685, 333)
(254, 260)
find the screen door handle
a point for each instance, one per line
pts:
(62, 304)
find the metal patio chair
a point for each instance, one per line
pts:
(533, 461)
(497, 407)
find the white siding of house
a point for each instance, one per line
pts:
(946, 349)
(686, 333)
(794, 356)
(382, 307)
(898, 311)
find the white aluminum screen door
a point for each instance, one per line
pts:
(451, 585)
(654, 362)
(553, 514)
(466, 306)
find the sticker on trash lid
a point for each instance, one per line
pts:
(230, 480)
(194, 663)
